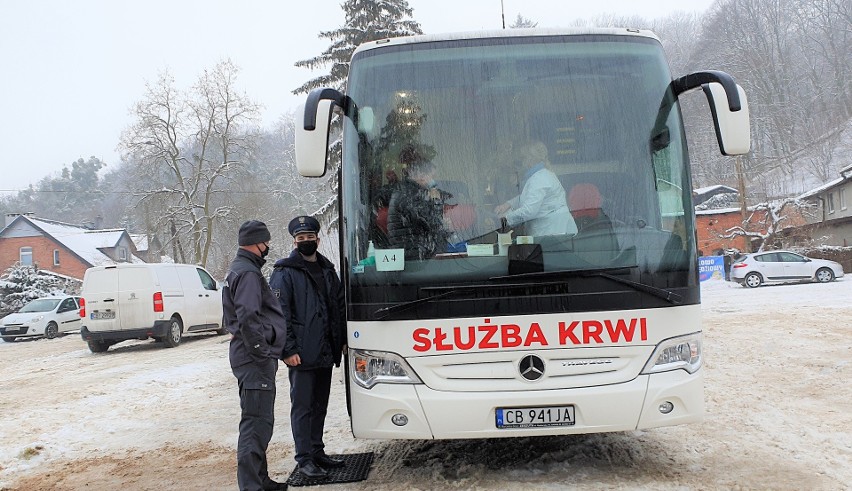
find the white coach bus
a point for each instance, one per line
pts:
(505, 333)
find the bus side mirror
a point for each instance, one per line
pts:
(312, 145)
(732, 127)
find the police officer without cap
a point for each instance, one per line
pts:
(258, 331)
(312, 300)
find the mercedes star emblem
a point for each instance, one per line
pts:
(531, 367)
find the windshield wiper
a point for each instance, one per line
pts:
(666, 295)
(386, 311)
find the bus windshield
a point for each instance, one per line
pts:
(474, 164)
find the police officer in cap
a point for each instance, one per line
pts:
(312, 301)
(253, 316)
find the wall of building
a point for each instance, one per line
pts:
(711, 228)
(836, 202)
(43, 248)
(830, 233)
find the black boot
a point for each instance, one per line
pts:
(311, 470)
(327, 462)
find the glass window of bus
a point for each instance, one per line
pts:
(468, 107)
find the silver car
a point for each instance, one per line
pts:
(753, 270)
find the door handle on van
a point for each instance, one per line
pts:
(109, 300)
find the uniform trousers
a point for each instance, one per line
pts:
(309, 390)
(256, 382)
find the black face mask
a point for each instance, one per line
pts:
(265, 252)
(307, 247)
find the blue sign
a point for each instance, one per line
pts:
(711, 267)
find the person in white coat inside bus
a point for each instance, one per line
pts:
(542, 205)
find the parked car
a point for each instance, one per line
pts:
(753, 270)
(47, 316)
(140, 301)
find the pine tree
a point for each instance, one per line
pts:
(20, 284)
(366, 20)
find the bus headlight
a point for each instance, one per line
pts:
(682, 352)
(378, 367)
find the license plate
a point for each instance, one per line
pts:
(102, 315)
(531, 417)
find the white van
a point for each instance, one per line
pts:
(140, 301)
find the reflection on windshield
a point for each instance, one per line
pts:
(515, 157)
(41, 305)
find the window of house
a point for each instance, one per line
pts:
(26, 256)
(122, 254)
(56, 257)
(831, 202)
(841, 197)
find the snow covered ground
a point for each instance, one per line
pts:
(779, 415)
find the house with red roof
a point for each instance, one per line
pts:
(62, 248)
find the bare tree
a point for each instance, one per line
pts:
(767, 220)
(186, 147)
(522, 22)
(792, 58)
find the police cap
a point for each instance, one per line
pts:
(302, 224)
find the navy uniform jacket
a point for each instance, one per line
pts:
(252, 313)
(316, 321)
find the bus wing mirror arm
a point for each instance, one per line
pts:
(344, 102)
(697, 79)
(728, 104)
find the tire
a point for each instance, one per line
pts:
(51, 330)
(98, 346)
(753, 280)
(173, 335)
(824, 275)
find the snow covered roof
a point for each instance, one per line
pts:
(141, 241)
(83, 242)
(702, 195)
(715, 187)
(60, 276)
(815, 191)
(717, 211)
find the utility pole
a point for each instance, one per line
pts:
(503, 13)
(742, 197)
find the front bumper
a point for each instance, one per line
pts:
(10, 332)
(447, 415)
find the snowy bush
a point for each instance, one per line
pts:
(21, 284)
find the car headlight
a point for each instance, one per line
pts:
(680, 353)
(379, 367)
(37, 318)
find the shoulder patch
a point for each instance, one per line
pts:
(277, 292)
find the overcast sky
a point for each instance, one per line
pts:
(70, 70)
